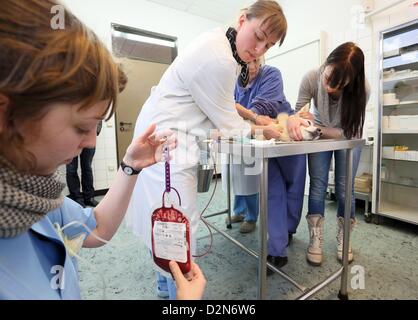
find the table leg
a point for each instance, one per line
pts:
(347, 216)
(262, 263)
(228, 192)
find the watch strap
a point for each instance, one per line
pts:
(133, 171)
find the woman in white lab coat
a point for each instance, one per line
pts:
(195, 95)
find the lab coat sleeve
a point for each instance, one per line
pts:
(212, 88)
(306, 90)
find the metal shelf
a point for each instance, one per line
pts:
(399, 211)
(399, 184)
(389, 84)
(401, 60)
(400, 131)
(403, 103)
(400, 159)
(398, 50)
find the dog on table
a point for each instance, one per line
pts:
(309, 133)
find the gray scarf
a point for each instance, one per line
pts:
(25, 199)
(329, 111)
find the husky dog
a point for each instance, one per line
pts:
(308, 133)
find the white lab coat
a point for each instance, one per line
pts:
(243, 181)
(195, 94)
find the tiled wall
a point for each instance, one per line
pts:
(105, 163)
(105, 159)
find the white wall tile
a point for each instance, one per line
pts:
(110, 152)
(111, 175)
(100, 175)
(101, 184)
(365, 32)
(365, 43)
(99, 154)
(100, 142)
(110, 133)
(99, 164)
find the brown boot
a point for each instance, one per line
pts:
(247, 227)
(340, 239)
(316, 238)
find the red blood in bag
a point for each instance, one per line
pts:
(171, 214)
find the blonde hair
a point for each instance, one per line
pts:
(272, 16)
(40, 66)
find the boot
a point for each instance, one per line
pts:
(340, 239)
(316, 238)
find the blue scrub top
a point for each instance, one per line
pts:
(264, 95)
(35, 264)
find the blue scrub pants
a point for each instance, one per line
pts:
(285, 200)
(247, 206)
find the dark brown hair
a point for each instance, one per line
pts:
(40, 66)
(272, 15)
(347, 62)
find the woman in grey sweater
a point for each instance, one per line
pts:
(340, 92)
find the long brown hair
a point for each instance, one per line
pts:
(40, 66)
(347, 62)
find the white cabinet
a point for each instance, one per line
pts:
(396, 167)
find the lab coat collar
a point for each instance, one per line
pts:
(46, 229)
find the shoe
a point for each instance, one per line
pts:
(247, 227)
(340, 239)
(278, 262)
(235, 218)
(91, 202)
(316, 238)
(289, 239)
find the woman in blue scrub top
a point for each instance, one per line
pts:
(55, 85)
(261, 101)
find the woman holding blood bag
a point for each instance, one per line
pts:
(55, 86)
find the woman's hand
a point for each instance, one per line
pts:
(293, 127)
(272, 131)
(264, 120)
(147, 149)
(191, 285)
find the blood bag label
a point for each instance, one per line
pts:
(170, 241)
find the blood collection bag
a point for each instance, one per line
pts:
(170, 236)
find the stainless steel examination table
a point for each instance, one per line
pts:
(263, 152)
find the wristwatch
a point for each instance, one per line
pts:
(128, 169)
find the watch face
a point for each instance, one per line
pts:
(128, 170)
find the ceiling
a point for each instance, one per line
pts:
(222, 11)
